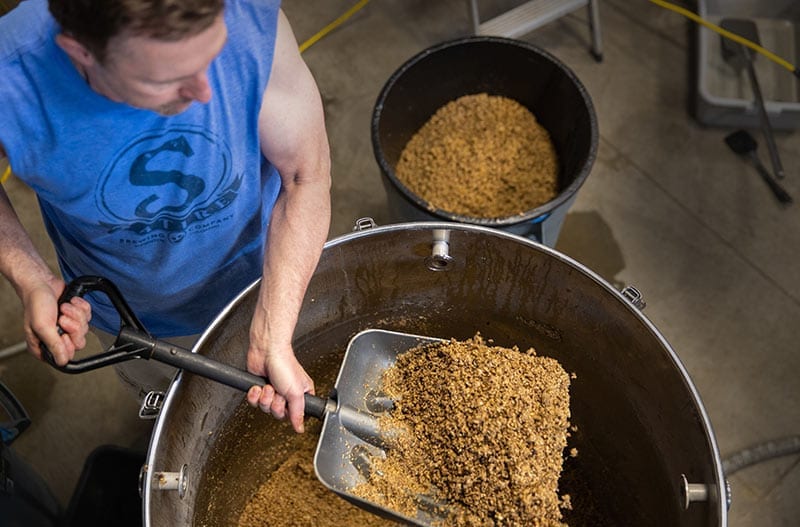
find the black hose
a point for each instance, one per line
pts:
(762, 452)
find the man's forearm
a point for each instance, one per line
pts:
(38, 289)
(20, 262)
(298, 230)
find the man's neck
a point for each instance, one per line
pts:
(82, 71)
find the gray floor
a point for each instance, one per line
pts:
(667, 208)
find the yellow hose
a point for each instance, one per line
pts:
(333, 25)
(727, 34)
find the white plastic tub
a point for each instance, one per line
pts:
(724, 98)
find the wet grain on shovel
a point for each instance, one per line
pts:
(485, 425)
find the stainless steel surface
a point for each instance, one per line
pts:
(349, 421)
(639, 419)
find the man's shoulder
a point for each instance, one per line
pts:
(252, 25)
(252, 8)
(26, 27)
(257, 4)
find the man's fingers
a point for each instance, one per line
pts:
(296, 415)
(84, 306)
(75, 325)
(53, 344)
(76, 312)
(61, 330)
(278, 407)
(265, 398)
(253, 395)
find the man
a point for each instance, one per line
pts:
(177, 148)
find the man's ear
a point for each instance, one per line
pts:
(76, 51)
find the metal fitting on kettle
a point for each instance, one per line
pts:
(166, 480)
(440, 255)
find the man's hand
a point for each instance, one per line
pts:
(288, 384)
(43, 317)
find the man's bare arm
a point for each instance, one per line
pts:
(293, 137)
(38, 289)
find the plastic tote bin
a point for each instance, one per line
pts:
(724, 97)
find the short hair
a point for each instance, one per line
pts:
(94, 22)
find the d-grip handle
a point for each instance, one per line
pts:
(134, 342)
(81, 286)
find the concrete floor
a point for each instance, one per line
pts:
(667, 208)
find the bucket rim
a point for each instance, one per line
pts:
(534, 215)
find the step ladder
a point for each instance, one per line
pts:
(534, 14)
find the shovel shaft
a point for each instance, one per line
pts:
(766, 127)
(777, 188)
(209, 368)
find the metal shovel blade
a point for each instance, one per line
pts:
(342, 459)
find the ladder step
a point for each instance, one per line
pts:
(527, 17)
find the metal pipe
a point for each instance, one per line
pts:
(12, 350)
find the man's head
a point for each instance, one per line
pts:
(94, 23)
(151, 54)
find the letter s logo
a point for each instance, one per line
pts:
(140, 175)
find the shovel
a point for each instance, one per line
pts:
(742, 143)
(350, 434)
(739, 58)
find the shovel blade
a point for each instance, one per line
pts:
(342, 458)
(732, 52)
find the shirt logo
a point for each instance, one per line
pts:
(166, 184)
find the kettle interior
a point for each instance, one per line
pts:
(639, 425)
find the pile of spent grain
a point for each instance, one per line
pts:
(294, 497)
(485, 426)
(481, 156)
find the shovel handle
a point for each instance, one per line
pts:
(211, 369)
(777, 188)
(133, 341)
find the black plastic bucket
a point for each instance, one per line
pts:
(497, 66)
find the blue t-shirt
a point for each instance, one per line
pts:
(174, 210)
